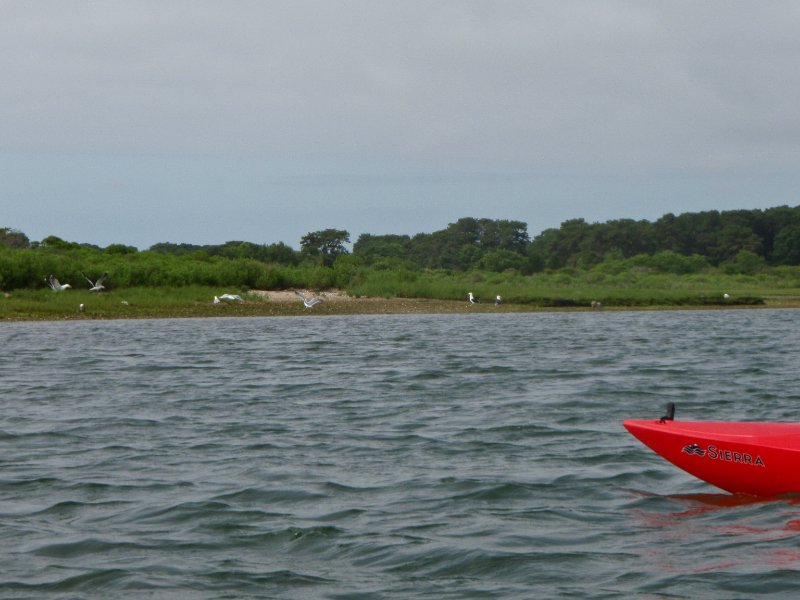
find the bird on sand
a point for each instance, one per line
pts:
(473, 299)
(96, 286)
(56, 286)
(308, 302)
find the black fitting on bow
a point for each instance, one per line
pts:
(670, 416)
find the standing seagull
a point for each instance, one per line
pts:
(308, 302)
(473, 299)
(96, 286)
(55, 285)
(498, 301)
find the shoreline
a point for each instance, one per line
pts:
(285, 303)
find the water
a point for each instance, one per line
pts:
(473, 456)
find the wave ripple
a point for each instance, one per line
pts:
(476, 456)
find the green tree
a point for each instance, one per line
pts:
(325, 245)
(462, 245)
(174, 249)
(279, 253)
(13, 238)
(787, 246)
(562, 247)
(623, 237)
(373, 248)
(52, 241)
(504, 235)
(500, 260)
(120, 249)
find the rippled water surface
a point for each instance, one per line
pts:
(442, 456)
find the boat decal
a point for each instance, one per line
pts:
(714, 453)
(694, 449)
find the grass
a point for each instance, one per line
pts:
(434, 294)
(632, 288)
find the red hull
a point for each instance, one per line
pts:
(760, 459)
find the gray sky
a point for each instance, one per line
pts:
(143, 121)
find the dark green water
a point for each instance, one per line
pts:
(477, 456)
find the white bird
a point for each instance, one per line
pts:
(81, 307)
(231, 297)
(96, 286)
(498, 301)
(56, 286)
(473, 299)
(216, 300)
(726, 296)
(308, 302)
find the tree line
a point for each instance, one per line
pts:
(740, 241)
(736, 239)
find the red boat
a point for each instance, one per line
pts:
(755, 458)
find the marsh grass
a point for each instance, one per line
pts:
(119, 303)
(404, 292)
(579, 288)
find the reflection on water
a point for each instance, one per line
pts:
(712, 532)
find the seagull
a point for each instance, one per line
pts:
(216, 300)
(726, 296)
(308, 302)
(498, 301)
(81, 307)
(473, 299)
(96, 286)
(55, 285)
(231, 297)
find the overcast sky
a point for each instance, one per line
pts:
(140, 121)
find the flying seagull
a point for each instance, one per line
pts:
(56, 286)
(96, 286)
(473, 299)
(308, 302)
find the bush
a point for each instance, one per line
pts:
(670, 262)
(745, 263)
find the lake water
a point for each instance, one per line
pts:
(376, 457)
